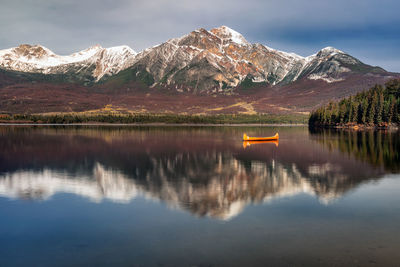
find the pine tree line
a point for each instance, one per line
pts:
(379, 106)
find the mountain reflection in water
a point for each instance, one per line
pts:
(203, 170)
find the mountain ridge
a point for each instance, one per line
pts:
(214, 61)
(96, 60)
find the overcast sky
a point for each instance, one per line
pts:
(366, 29)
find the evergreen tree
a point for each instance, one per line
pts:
(371, 108)
(354, 110)
(396, 114)
(392, 105)
(379, 107)
(364, 111)
(350, 111)
(393, 87)
(342, 111)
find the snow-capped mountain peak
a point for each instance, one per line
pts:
(227, 33)
(96, 60)
(30, 54)
(329, 50)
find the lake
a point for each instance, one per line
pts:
(198, 196)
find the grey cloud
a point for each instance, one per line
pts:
(295, 25)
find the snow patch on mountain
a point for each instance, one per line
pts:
(324, 77)
(113, 60)
(291, 55)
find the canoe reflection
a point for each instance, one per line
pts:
(249, 143)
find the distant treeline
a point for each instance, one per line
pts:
(379, 106)
(154, 118)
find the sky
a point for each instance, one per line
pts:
(366, 29)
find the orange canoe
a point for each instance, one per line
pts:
(248, 138)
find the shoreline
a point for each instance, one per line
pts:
(156, 119)
(160, 124)
(358, 127)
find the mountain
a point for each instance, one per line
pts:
(211, 61)
(88, 65)
(216, 63)
(221, 59)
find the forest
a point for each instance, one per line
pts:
(377, 107)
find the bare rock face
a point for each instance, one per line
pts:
(30, 51)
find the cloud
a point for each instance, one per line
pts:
(302, 26)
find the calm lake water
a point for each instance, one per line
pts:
(198, 196)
